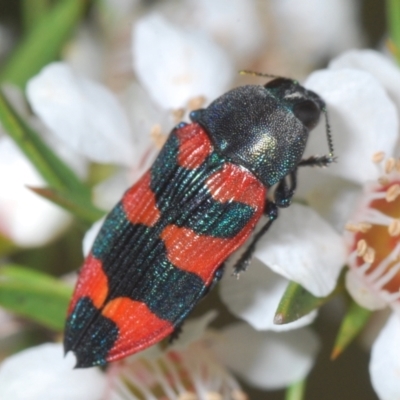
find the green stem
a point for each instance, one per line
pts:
(296, 391)
(33, 11)
(44, 42)
(57, 174)
(393, 21)
(16, 128)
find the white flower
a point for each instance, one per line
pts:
(192, 65)
(364, 121)
(236, 25)
(42, 372)
(192, 368)
(314, 31)
(26, 218)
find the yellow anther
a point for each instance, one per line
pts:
(196, 102)
(369, 256)
(389, 165)
(394, 227)
(393, 192)
(362, 248)
(378, 157)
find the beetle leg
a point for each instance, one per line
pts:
(271, 211)
(175, 334)
(217, 277)
(284, 192)
(315, 161)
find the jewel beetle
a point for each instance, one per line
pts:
(164, 245)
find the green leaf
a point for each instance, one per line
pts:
(33, 11)
(34, 295)
(6, 245)
(83, 210)
(54, 171)
(352, 324)
(296, 391)
(42, 44)
(393, 22)
(297, 302)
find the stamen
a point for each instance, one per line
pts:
(369, 256)
(377, 195)
(394, 228)
(158, 373)
(364, 227)
(376, 217)
(178, 114)
(196, 102)
(388, 276)
(174, 374)
(137, 384)
(389, 165)
(393, 192)
(187, 396)
(381, 268)
(383, 181)
(239, 395)
(392, 297)
(157, 136)
(362, 248)
(213, 396)
(378, 157)
(361, 227)
(362, 269)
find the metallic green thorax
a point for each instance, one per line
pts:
(262, 128)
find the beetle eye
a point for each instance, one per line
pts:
(278, 82)
(308, 113)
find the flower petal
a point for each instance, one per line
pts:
(236, 25)
(42, 373)
(175, 64)
(362, 294)
(334, 198)
(18, 221)
(384, 366)
(193, 330)
(359, 111)
(85, 115)
(255, 297)
(379, 66)
(91, 235)
(303, 248)
(268, 360)
(315, 30)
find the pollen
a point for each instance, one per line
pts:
(394, 228)
(196, 102)
(360, 227)
(362, 248)
(378, 157)
(390, 165)
(374, 232)
(157, 136)
(393, 192)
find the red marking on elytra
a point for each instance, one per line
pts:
(139, 203)
(195, 146)
(195, 253)
(138, 327)
(237, 184)
(92, 282)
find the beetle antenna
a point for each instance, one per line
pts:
(328, 134)
(253, 73)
